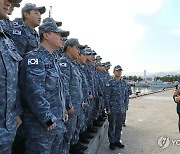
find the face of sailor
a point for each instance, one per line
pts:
(82, 58)
(56, 40)
(33, 19)
(74, 51)
(118, 73)
(4, 5)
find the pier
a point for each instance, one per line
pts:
(151, 127)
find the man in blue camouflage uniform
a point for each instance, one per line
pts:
(115, 98)
(74, 96)
(9, 60)
(26, 39)
(128, 93)
(24, 35)
(42, 93)
(106, 78)
(83, 136)
(99, 93)
(89, 71)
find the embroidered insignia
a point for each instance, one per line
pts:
(32, 61)
(15, 23)
(63, 64)
(16, 32)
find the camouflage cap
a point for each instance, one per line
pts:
(83, 52)
(98, 58)
(89, 51)
(50, 19)
(93, 52)
(98, 64)
(14, 1)
(117, 68)
(52, 27)
(108, 63)
(103, 64)
(30, 6)
(73, 42)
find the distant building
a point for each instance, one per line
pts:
(144, 75)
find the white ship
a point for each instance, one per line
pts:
(160, 84)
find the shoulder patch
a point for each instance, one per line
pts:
(63, 64)
(16, 32)
(32, 61)
(15, 23)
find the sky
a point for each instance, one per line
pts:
(136, 34)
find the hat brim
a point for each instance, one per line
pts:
(81, 46)
(14, 1)
(63, 33)
(42, 9)
(118, 69)
(16, 4)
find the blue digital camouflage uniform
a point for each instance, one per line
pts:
(73, 86)
(128, 93)
(115, 98)
(99, 90)
(25, 38)
(9, 61)
(89, 71)
(6, 25)
(85, 91)
(43, 102)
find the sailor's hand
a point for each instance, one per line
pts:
(53, 126)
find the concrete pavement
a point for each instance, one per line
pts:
(151, 127)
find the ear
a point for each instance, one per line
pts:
(26, 15)
(69, 48)
(46, 36)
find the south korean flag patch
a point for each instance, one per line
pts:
(32, 61)
(63, 65)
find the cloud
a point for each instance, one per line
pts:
(175, 32)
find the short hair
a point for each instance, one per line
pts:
(23, 17)
(41, 36)
(65, 48)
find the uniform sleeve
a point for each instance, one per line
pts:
(108, 95)
(32, 88)
(66, 70)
